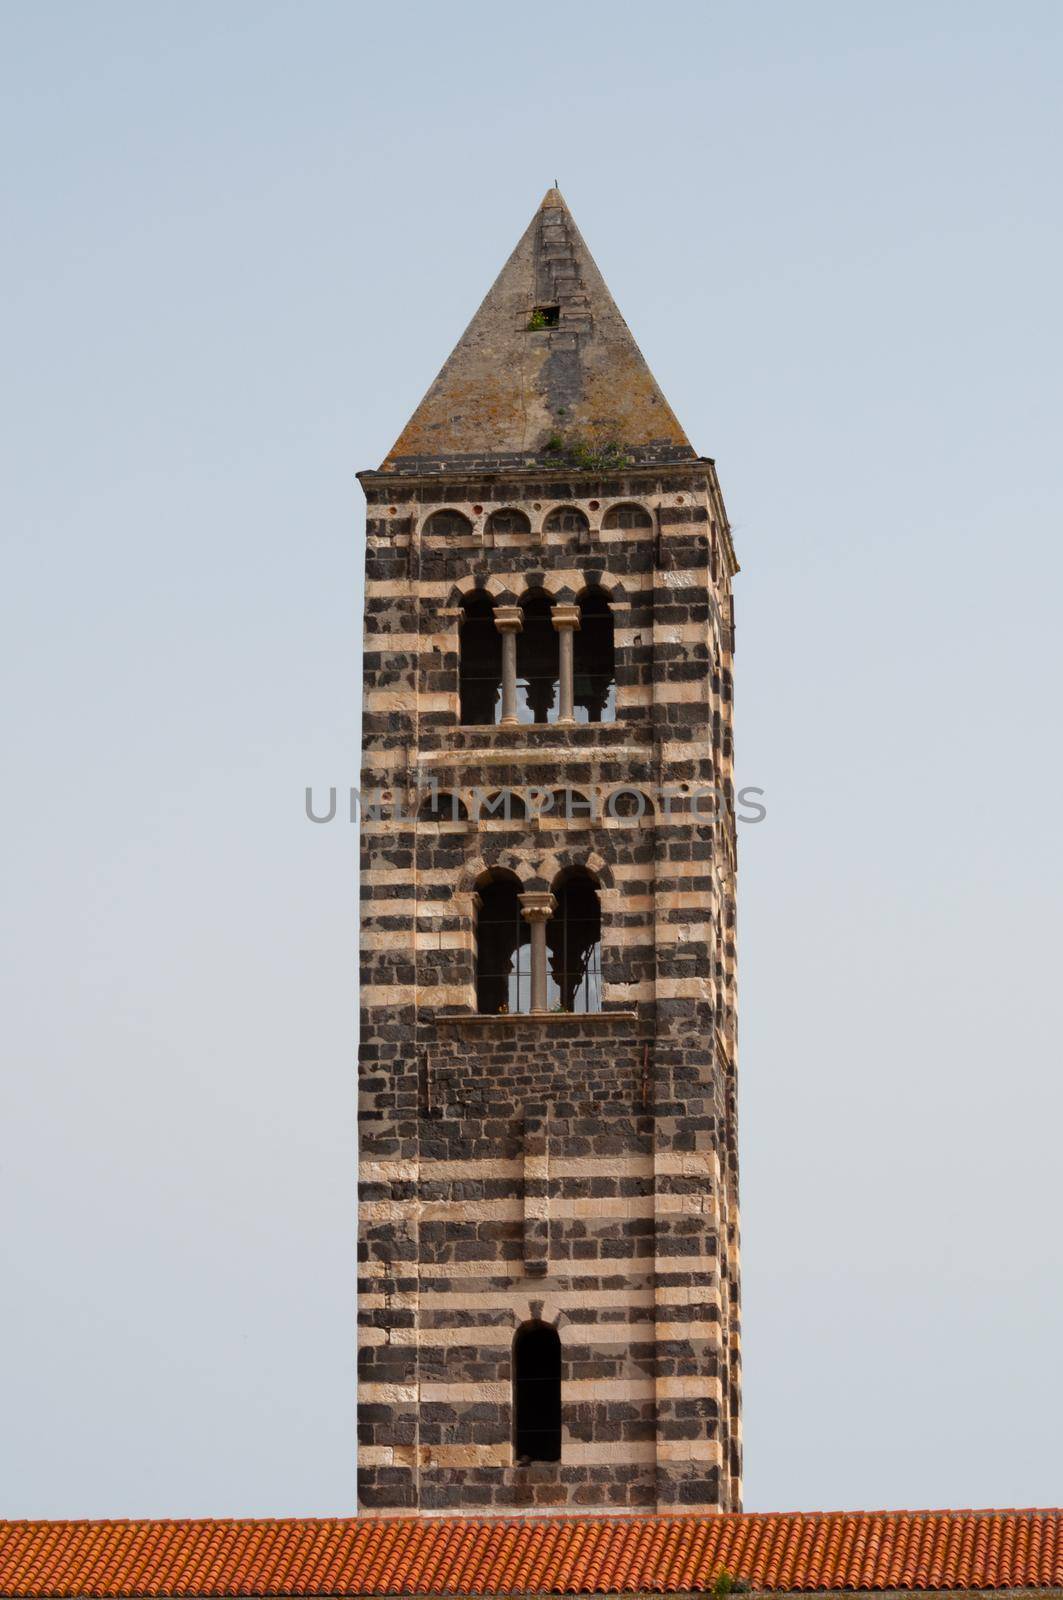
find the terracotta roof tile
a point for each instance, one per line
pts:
(794, 1551)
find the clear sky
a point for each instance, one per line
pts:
(241, 239)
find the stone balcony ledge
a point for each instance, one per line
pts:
(500, 1019)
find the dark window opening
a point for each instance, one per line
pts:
(544, 317)
(574, 947)
(508, 521)
(449, 523)
(566, 519)
(627, 516)
(537, 662)
(480, 672)
(537, 1393)
(503, 949)
(594, 662)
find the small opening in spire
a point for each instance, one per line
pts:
(544, 317)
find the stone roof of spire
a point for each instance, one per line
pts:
(546, 372)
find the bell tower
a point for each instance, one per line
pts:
(548, 1196)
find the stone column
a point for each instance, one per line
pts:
(538, 907)
(566, 621)
(509, 620)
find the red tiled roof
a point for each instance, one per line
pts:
(865, 1550)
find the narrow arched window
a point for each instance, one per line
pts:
(537, 661)
(503, 948)
(480, 669)
(593, 661)
(574, 945)
(536, 1393)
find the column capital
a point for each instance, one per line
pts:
(509, 619)
(565, 616)
(537, 905)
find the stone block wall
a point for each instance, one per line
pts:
(581, 1169)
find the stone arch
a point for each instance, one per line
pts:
(480, 867)
(492, 807)
(509, 520)
(551, 865)
(610, 585)
(447, 522)
(491, 584)
(628, 514)
(621, 805)
(448, 807)
(572, 805)
(566, 518)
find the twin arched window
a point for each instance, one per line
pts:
(547, 683)
(515, 972)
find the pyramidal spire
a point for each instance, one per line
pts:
(546, 370)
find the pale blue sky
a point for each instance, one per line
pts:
(241, 239)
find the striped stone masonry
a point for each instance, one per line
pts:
(574, 1169)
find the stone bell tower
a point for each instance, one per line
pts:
(548, 1205)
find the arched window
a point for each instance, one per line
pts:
(593, 661)
(480, 671)
(503, 948)
(574, 945)
(629, 805)
(503, 805)
(565, 519)
(627, 516)
(536, 1393)
(570, 805)
(509, 520)
(448, 524)
(442, 807)
(537, 661)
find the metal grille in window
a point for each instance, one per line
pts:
(574, 947)
(503, 950)
(594, 661)
(480, 672)
(537, 663)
